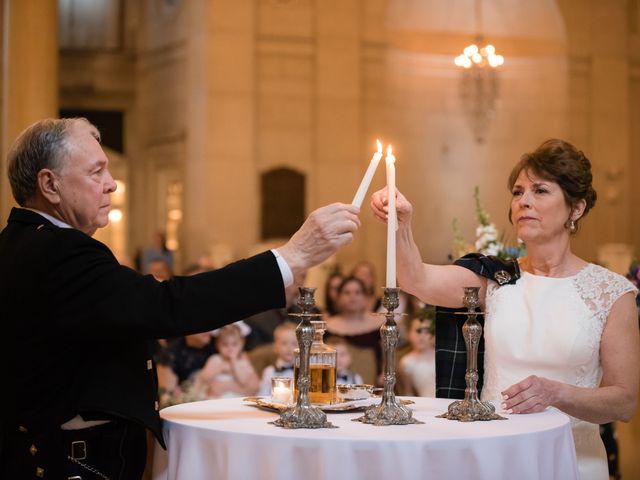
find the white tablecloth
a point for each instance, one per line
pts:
(226, 439)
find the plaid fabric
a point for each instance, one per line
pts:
(451, 352)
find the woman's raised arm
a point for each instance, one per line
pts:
(433, 284)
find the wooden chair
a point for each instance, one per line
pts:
(261, 357)
(363, 361)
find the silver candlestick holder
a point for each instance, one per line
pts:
(303, 414)
(389, 412)
(471, 409)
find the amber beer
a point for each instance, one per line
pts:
(322, 389)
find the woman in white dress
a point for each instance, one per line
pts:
(565, 334)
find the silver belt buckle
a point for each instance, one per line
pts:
(79, 450)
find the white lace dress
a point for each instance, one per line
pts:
(551, 327)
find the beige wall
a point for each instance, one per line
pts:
(216, 92)
(439, 160)
(601, 106)
(228, 90)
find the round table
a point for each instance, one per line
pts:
(229, 439)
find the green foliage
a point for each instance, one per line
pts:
(481, 214)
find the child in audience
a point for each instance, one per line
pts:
(284, 343)
(179, 361)
(345, 376)
(417, 367)
(229, 373)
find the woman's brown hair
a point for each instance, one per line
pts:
(560, 162)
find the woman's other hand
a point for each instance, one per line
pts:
(531, 395)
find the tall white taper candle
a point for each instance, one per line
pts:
(392, 220)
(368, 176)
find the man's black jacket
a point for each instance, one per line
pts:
(75, 323)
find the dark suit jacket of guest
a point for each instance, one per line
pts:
(262, 327)
(76, 323)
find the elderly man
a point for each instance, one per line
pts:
(78, 379)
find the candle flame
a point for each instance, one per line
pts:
(379, 146)
(390, 159)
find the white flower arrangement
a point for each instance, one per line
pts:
(487, 238)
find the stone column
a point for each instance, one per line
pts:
(29, 76)
(220, 194)
(341, 157)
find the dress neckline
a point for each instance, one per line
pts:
(569, 277)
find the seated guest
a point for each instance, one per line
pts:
(417, 367)
(331, 293)
(284, 344)
(159, 269)
(157, 251)
(344, 374)
(354, 322)
(181, 358)
(366, 273)
(229, 373)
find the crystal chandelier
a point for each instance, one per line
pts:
(479, 85)
(479, 57)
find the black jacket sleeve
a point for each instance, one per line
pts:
(93, 295)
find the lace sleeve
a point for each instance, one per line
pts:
(600, 289)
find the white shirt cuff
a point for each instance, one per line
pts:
(285, 270)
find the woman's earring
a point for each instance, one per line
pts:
(572, 226)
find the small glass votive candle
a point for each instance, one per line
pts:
(281, 391)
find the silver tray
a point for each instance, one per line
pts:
(354, 405)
